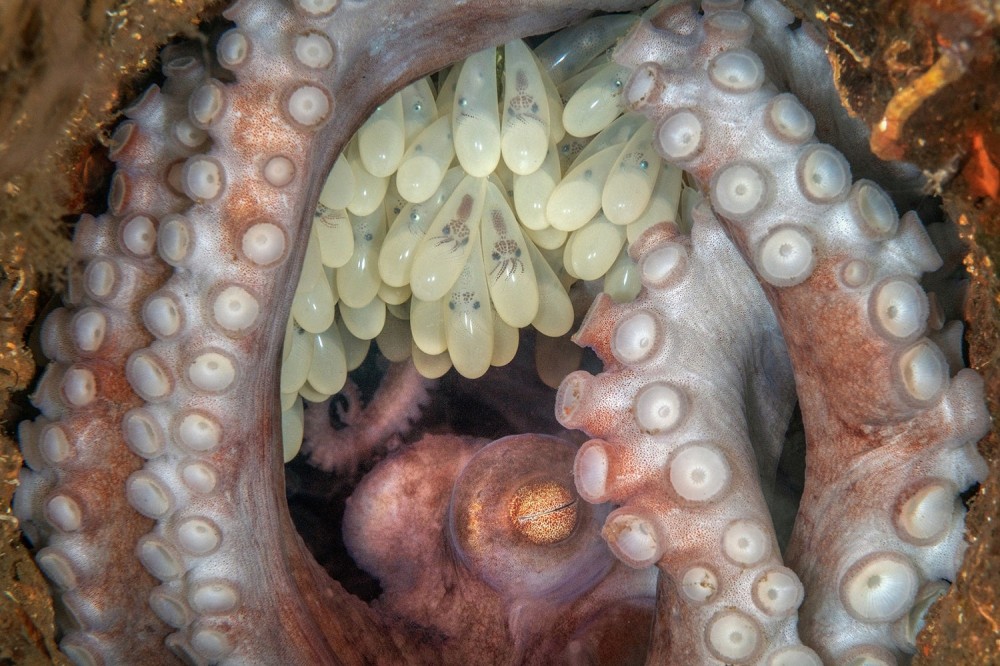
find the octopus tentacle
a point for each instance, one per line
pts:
(174, 430)
(396, 404)
(677, 424)
(839, 268)
(85, 399)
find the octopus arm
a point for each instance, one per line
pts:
(887, 423)
(157, 488)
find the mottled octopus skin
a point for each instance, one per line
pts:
(367, 430)
(676, 424)
(501, 554)
(242, 588)
(233, 583)
(890, 426)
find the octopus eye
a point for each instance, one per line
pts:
(544, 512)
(517, 521)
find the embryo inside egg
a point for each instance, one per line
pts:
(468, 206)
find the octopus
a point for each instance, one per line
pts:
(155, 489)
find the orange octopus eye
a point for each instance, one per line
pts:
(544, 513)
(518, 524)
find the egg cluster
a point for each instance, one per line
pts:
(466, 206)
